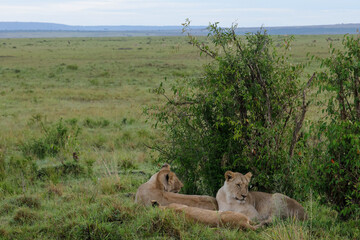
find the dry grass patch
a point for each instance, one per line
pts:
(55, 189)
(24, 216)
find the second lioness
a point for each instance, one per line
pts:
(210, 217)
(234, 196)
(163, 187)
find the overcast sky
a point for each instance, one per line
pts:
(247, 13)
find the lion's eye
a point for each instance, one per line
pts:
(238, 185)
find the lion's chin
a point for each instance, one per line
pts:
(241, 201)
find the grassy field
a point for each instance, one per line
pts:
(86, 95)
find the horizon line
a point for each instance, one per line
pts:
(262, 26)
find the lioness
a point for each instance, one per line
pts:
(234, 196)
(210, 217)
(164, 186)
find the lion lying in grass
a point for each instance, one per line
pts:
(210, 217)
(234, 196)
(164, 186)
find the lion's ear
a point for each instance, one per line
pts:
(165, 166)
(164, 180)
(229, 175)
(170, 177)
(154, 203)
(248, 175)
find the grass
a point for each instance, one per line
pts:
(100, 85)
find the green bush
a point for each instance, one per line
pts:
(244, 114)
(54, 139)
(339, 167)
(338, 161)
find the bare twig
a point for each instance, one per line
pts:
(279, 136)
(300, 119)
(157, 149)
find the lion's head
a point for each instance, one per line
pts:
(167, 180)
(237, 185)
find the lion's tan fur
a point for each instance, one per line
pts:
(164, 186)
(212, 218)
(234, 196)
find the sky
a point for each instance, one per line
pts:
(248, 13)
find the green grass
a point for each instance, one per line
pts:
(101, 86)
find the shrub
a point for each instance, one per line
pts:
(55, 138)
(338, 164)
(245, 114)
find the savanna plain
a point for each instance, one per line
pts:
(74, 142)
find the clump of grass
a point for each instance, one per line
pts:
(290, 231)
(126, 121)
(104, 74)
(2, 164)
(28, 201)
(3, 233)
(120, 213)
(55, 189)
(164, 224)
(99, 141)
(126, 136)
(127, 164)
(6, 208)
(141, 157)
(100, 123)
(72, 121)
(110, 184)
(64, 169)
(94, 230)
(94, 82)
(72, 67)
(24, 216)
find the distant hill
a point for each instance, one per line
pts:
(36, 29)
(36, 26)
